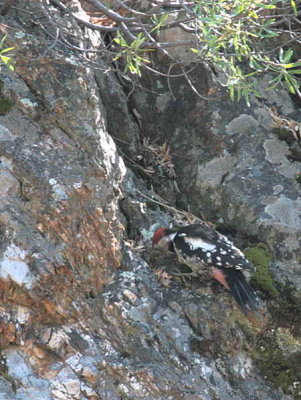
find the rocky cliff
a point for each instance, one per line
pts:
(88, 171)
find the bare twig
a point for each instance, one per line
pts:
(131, 10)
(110, 13)
(96, 27)
(174, 210)
(194, 89)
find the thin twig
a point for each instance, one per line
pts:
(95, 27)
(168, 207)
(131, 10)
(169, 84)
(166, 75)
(194, 89)
(110, 13)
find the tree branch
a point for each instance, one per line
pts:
(110, 13)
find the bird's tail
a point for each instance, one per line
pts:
(241, 290)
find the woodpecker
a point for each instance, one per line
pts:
(206, 251)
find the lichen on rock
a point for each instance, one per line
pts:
(83, 312)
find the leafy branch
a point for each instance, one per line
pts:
(5, 59)
(237, 38)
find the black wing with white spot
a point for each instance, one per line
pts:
(203, 243)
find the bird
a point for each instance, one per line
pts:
(207, 252)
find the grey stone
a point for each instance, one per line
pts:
(212, 173)
(87, 311)
(243, 124)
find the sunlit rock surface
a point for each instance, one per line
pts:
(84, 311)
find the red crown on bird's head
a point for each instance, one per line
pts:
(159, 234)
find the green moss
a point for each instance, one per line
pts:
(286, 310)
(5, 105)
(248, 329)
(285, 134)
(261, 258)
(281, 369)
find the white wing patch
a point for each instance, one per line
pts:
(239, 252)
(196, 243)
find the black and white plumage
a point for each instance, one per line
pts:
(205, 250)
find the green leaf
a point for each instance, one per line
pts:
(268, 34)
(159, 22)
(275, 82)
(247, 98)
(272, 86)
(3, 40)
(276, 79)
(295, 71)
(227, 32)
(293, 80)
(6, 50)
(294, 7)
(287, 56)
(232, 93)
(281, 55)
(255, 64)
(266, 6)
(267, 23)
(5, 59)
(297, 64)
(251, 74)
(287, 66)
(289, 84)
(275, 68)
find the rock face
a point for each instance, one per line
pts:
(82, 314)
(239, 166)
